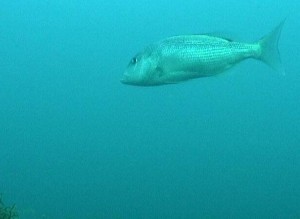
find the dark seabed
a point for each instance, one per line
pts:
(76, 143)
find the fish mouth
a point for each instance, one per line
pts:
(124, 81)
(128, 82)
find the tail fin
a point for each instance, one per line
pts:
(269, 49)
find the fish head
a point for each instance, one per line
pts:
(141, 70)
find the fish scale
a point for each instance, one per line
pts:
(204, 54)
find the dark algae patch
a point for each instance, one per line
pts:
(7, 212)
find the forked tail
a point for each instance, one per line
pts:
(269, 49)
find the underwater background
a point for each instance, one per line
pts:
(76, 143)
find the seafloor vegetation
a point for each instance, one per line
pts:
(7, 212)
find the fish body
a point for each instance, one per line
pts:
(185, 57)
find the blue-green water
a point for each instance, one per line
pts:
(76, 143)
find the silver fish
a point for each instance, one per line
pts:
(181, 58)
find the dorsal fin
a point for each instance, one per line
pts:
(219, 35)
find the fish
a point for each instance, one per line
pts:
(181, 58)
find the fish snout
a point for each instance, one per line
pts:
(124, 79)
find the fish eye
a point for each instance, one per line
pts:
(134, 60)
